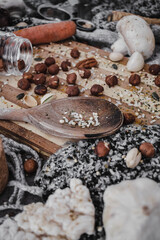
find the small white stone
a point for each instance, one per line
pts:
(115, 56)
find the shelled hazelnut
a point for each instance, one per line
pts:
(30, 166)
(147, 149)
(65, 65)
(75, 53)
(96, 90)
(53, 82)
(84, 73)
(40, 68)
(71, 78)
(40, 89)
(157, 81)
(24, 84)
(49, 61)
(111, 80)
(154, 69)
(102, 149)
(53, 69)
(128, 118)
(72, 91)
(28, 76)
(39, 78)
(135, 79)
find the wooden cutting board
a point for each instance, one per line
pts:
(137, 100)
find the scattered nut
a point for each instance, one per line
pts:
(53, 69)
(84, 73)
(30, 166)
(21, 65)
(128, 118)
(115, 56)
(24, 84)
(65, 65)
(157, 81)
(53, 82)
(75, 53)
(111, 81)
(40, 68)
(102, 149)
(28, 76)
(154, 69)
(147, 149)
(134, 79)
(87, 63)
(39, 78)
(133, 158)
(72, 91)
(49, 61)
(71, 78)
(40, 89)
(30, 101)
(96, 90)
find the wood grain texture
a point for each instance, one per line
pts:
(137, 100)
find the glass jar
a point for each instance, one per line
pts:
(16, 54)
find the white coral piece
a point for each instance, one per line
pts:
(129, 209)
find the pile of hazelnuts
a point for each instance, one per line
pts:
(46, 76)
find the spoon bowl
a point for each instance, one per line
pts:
(73, 118)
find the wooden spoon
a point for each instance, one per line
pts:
(47, 117)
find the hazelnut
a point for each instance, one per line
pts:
(84, 73)
(72, 91)
(65, 65)
(147, 149)
(96, 89)
(30, 166)
(40, 89)
(157, 81)
(53, 69)
(75, 53)
(24, 84)
(53, 82)
(49, 61)
(128, 118)
(102, 149)
(21, 65)
(154, 69)
(111, 80)
(134, 79)
(40, 68)
(71, 78)
(28, 76)
(39, 78)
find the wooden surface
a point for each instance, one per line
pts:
(137, 100)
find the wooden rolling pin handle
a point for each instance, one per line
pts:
(14, 114)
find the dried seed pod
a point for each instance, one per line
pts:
(30, 166)
(111, 80)
(102, 149)
(71, 78)
(147, 149)
(53, 69)
(75, 53)
(72, 91)
(49, 61)
(24, 84)
(135, 79)
(47, 97)
(133, 158)
(40, 89)
(40, 68)
(96, 90)
(39, 78)
(53, 82)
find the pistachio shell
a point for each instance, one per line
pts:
(30, 101)
(47, 97)
(115, 56)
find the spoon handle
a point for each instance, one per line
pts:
(14, 114)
